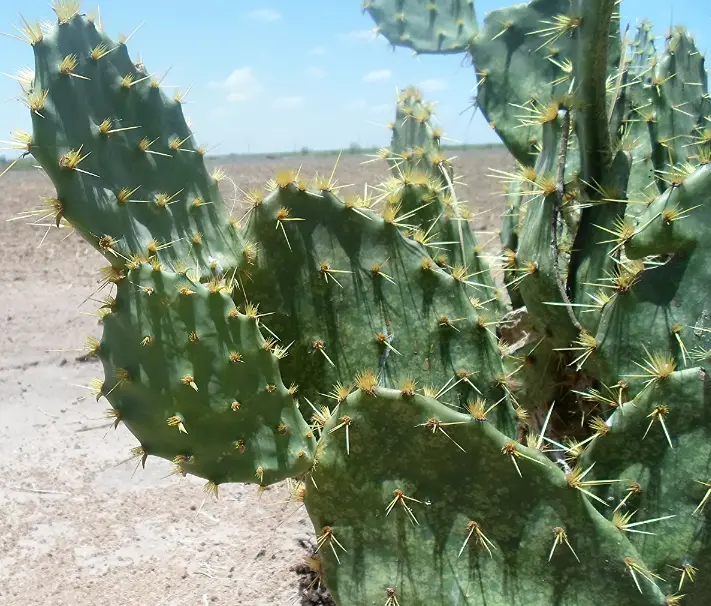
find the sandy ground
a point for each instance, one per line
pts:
(79, 525)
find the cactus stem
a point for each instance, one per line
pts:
(401, 498)
(560, 538)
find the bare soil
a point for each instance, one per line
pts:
(79, 524)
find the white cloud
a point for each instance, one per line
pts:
(359, 35)
(316, 73)
(378, 75)
(240, 85)
(433, 85)
(317, 50)
(287, 102)
(264, 14)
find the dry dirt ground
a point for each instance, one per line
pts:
(79, 525)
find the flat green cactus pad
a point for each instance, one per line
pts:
(414, 502)
(347, 292)
(660, 305)
(658, 448)
(128, 175)
(194, 380)
(444, 26)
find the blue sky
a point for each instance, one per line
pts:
(279, 74)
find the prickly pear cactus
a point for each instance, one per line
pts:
(446, 26)
(362, 352)
(604, 246)
(128, 175)
(422, 188)
(437, 514)
(196, 383)
(352, 294)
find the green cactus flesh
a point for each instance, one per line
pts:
(444, 26)
(596, 249)
(386, 328)
(415, 139)
(525, 67)
(662, 503)
(423, 188)
(392, 523)
(661, 306)
(194, 380)
(128, 175)
(678, 91)
(536, 266)
(352, 294)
